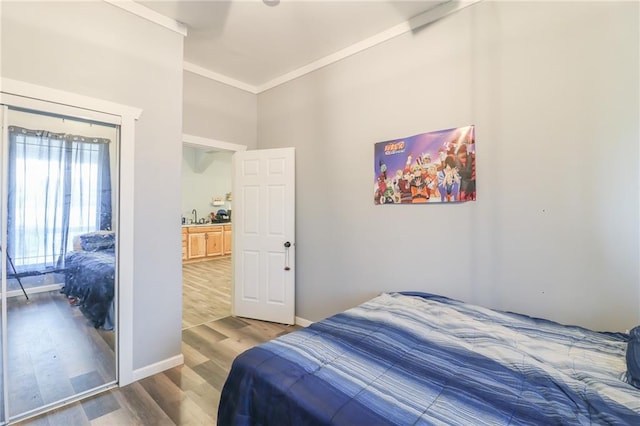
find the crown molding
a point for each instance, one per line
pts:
(436, 13)
(150, 15)
(427, 17)
(196, 69)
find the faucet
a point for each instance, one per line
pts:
(195, 216)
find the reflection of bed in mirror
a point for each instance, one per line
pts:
(90, 276)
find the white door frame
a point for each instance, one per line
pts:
(38, 97)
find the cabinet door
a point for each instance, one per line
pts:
(185, 252)
(197, 245)
(226, 239)
(214, 243)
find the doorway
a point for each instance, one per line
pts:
(59, 270)
(207, 268)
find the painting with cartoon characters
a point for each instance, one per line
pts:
(434, 167)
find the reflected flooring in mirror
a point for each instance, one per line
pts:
(53, 351)
(188, 394)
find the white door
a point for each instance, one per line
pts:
(263, 282)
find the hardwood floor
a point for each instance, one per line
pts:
(206, 291)
(53, 352)
(188, 394)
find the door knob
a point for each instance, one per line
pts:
(286, 259)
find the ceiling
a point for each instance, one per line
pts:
(254, 44)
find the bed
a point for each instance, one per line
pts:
(90, 277)
(415, 358)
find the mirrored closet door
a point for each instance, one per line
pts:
(58, 257)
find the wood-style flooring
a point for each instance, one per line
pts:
(188, 394)
(206, 291)
(53, 352)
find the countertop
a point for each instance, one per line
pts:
(205, 224)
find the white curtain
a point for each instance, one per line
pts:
(59, 186)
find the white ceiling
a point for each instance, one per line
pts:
(254, 44)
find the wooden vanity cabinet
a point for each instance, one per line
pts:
(203, 242)
(214, 241)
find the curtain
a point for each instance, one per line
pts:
(59, 186)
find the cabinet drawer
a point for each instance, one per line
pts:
(204, 229)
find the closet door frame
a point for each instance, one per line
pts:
(20, 94)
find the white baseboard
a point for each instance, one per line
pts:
(158, 367)
(303, 322)
(34, 290)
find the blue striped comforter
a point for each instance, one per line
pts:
(424, 359)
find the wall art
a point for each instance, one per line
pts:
(433, 167)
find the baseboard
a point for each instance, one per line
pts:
(158, 367)
(303, 322)
(35, 290)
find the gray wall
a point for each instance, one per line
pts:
(216, 111)
(553, 91)
(98, 50)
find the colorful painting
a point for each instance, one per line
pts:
(434, 167)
